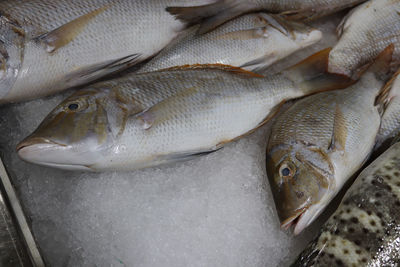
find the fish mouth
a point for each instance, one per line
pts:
(37, 141)
(48, 153)
(293, 220)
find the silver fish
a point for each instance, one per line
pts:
(253, 42)
(220, 11)
(364, 33)
(319, 142)
(159, 117)
(49, 45)
(365, 229)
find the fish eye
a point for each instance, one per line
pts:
(73, 106)
(286, 170)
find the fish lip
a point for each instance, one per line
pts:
(292, 221)
(37, 140)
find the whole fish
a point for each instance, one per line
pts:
(220, 11)
(49, 45)
(319, 142)
(159, 117)
(367, 29)
(365, 229)
(252, 41)
(390, 126)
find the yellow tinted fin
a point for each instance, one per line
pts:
(67, 32)
(209, 16)
(157, 113)
(339, 134)
(223, 67)
(381, 66)
(384, 96)
(312, 76)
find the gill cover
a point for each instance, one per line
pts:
(12, 39)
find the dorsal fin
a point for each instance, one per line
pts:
(214, 66)
(67, 32)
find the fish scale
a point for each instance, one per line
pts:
(77, 42)
(361, 30)
(320, 142)
(365, 229)
(249, 41)
(214, 14)
(166, 116)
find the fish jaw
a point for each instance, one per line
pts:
(47, 153)
(308, 216)
(304, 217)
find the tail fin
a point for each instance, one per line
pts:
(312, 74)
(210, 16)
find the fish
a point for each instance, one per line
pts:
(218, 12)
(47, 46)
(390, 125)
(252, 42)
(317, 144)
(149, 119)
(367, 29)
(365, 228)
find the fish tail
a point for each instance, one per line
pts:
(209, 16)
(312, 76)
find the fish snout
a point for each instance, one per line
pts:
(32, 141)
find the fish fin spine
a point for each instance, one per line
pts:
(209, 16)
(215, 66)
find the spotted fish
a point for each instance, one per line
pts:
(365, 229)
(220, 11)
(165, 116)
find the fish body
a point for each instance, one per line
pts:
(220, 11)
(368, 29)
(48, 45)
(318, 144)
(365, 229)
(159, 117)
(251, 41)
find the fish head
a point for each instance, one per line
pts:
(76, 134)
(11, 54)
(301, 180)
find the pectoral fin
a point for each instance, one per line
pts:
(210, 16)
(163, 111)
(339, 134)
(66, 33)
(93, 72)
